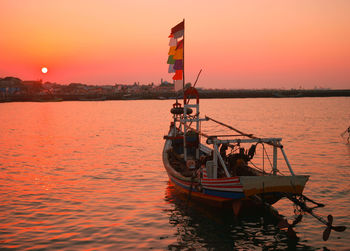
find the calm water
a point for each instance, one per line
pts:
(89, 175)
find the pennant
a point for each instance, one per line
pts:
(172, 41)
(171, 68)
(178, 85)
(171, 59)
(178, 65)
(180, 44)
(172, 50)
(178, 27)
(179, 54)
(178, 75)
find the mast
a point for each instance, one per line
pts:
(183, 91)
(183, 60)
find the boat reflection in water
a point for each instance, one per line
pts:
(201, 226)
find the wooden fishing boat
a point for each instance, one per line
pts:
(221, 169)
(207, 173)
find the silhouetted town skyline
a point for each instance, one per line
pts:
(15, 89)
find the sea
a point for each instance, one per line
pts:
(88, 175)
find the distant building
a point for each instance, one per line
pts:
(164, 87)
(10, 86)
(33, 87)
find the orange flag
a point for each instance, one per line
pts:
(179, 54)
(172, 50)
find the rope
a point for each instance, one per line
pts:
(257, 168)
(268, 157)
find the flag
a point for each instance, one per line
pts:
(172, 41)
(178, 65)
(179, 54)
(178, 30)
(171, 68)
(171, 59)
(178, 27)
(176, 54)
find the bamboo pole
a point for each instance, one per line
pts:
(230, 127)
(242, 133)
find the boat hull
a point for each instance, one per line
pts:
(194, 194)
(224, 192)
(253, 185)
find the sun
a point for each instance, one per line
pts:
(44, 70)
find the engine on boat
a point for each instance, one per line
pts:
(236, 161)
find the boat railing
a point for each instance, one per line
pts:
(275, 142)
(211, 140)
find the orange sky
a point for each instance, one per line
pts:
(238, 44)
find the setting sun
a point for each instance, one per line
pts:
(44, 70)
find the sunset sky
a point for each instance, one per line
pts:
(238, 44)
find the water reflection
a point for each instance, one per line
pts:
(199, 226)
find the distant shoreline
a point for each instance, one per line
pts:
(204, 94)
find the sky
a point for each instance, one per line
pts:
(253, 44)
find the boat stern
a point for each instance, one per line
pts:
(253, 185)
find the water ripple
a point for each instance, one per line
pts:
(87, 175)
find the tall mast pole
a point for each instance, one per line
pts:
(183, 60)
(183, 90)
